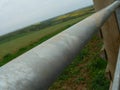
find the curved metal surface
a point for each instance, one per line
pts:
(39, 67)
(116, 81)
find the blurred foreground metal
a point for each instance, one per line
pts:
(116, 82)
(38, 68)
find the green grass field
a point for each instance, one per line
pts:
(87, 71)
(11, 46)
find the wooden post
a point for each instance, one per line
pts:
(110, 33)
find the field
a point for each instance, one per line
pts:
(87, 70)
(13, 44)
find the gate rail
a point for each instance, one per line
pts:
(38, 68)
(116, 81)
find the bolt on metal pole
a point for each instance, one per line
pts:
(38, 68)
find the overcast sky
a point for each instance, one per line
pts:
(15, 14)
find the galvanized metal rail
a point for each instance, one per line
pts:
(116, 82)
(38, 68)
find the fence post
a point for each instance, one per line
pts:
(110, 35)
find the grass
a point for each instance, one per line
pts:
(97, 71)
(37, 36)
(86, 72)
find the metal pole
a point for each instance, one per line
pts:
(116, 81)
(39, 67)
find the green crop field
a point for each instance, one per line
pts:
(13, 43)
(86, 72)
